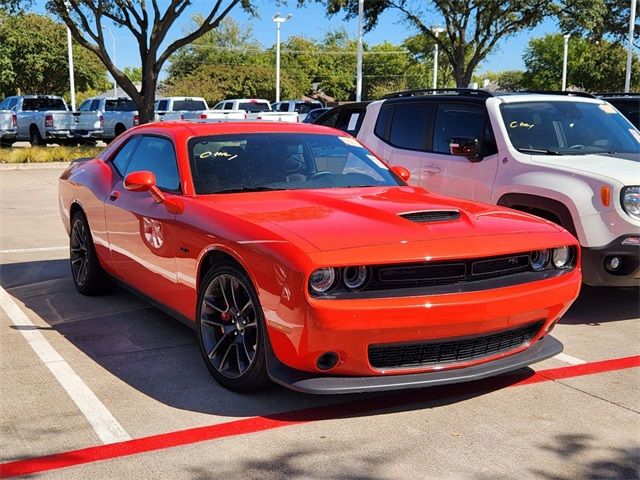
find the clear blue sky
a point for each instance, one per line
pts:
(311, 21)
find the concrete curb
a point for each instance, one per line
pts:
(33, 166)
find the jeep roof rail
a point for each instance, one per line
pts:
(617, 94)
(558, 92)
(435, 91)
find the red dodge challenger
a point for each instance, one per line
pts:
(301, 258)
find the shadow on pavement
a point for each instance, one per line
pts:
(597, 305)
(159, 356)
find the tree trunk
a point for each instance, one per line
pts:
(147, 100)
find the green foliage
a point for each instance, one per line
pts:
(597, 19)
(33, 58)
(591, 66)
(46, 154)
(506, 80)
(134, 73)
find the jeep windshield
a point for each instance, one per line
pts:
(568, 128)
(256, 162)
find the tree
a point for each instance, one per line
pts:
(33, 58)
(133, 73)
(597, 19)
(591, 66)
(473, 27)
(148, 25)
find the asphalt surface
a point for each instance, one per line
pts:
(132, 372)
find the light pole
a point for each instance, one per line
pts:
(72, 83)
(359, 60)
(278, 19)
(632, 22)
(564, 62)
(436, 31)
(113, 38)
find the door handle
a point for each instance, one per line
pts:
(430, 169)
(114, 195)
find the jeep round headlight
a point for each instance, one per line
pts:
(322, 279)
(539, 259)
(630, 199)
(562, 257)
(355, 277)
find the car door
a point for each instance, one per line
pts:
(406, 131)
(457, 175)
(140, 230)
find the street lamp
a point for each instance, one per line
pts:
(436, 31)
(278, 19)
(72, 83)
(632, 22)
(564, 62)
(113, 38)
(359, 55)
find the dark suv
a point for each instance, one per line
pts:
(627, 103)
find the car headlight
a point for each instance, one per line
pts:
(539, 259)
(630, 200)
(355, 277)
(562, 257)
(321, 280)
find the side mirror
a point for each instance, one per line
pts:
(402, 172)
(143, 181)
(465, 147)
(140, 181)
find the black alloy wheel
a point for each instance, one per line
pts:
(88, 276)
(231, 330)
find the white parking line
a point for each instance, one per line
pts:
(105, 425)
(563, 357)
(39, 249)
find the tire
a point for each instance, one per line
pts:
(231, 331)
(88, 276)
(35, 139)
(120, 129)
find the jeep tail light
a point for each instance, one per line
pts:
(48, 121)
(14, 121)
(136, 120)
(101, 121)
(605, 195)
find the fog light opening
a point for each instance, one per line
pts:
(327, 361)
(613, 264)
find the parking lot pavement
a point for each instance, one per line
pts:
(130, 371)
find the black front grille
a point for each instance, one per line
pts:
(417, 354)
(431, 216)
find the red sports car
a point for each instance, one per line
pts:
(301, 258)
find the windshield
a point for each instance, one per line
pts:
(283, 161)
(306, 107)
(42, 104)
(120, 105)
(254, 107)
(568, 128)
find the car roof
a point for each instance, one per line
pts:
(204, 128)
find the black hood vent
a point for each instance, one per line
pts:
(432, 216)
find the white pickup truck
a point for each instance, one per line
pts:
(119, 114)
(180, 108)
(8, 127)
(253, 109)
(43, 119)
(301, 107)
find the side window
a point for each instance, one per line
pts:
(218, 106)
(330, 119)
(283, 107)
(13, 103)
(350, 121)
(457, 120)
(85, 106)
(157, 155)
(121, 160)
(228, 106)
(95, 105)
(410, 126)
(383, 121)
(162, 105)
(5, 104)
(489, 146)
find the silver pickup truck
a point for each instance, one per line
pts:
(8, 127)
(43, 119)
(120, 114)
(180, 108)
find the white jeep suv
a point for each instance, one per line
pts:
(570, 158)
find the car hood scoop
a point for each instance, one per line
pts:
(427, 216)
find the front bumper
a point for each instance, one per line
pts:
(594, 260)
(75, 134)
(306, 382)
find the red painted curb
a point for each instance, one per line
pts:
(258, 424)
